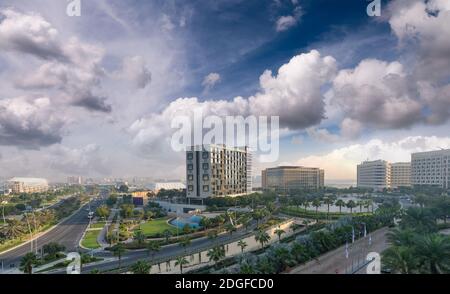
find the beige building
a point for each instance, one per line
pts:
(288, 178)
(27, 185)
(400, 174)
(217, 170)
(431, 168)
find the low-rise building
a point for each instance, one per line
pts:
(27, 185)
(288, 178)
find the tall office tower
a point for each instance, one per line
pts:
(431, 168)
(288, 178)
(400, 174)
(217, 170)
(374, 174)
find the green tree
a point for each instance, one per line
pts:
(14, 228)
(242, 244)
(216, 254)
(400, 259)
(52, 249)
(102, 212)
(340, 203)
(141, 268)
(230, 228)
(328, 201)
(27, 262)
(279, 232)
(185, 242)
(139, 236)
(262, 237)
(181, 261)
(167, 234)
(351, 204)
(434, 253)
(118, 250)
(152, 248)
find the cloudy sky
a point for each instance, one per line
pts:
(94, 95)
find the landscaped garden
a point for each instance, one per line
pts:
(300, 212)
(90, 239)
(156, 228)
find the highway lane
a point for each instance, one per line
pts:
(132, 257)
(67, 233)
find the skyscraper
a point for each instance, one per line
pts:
(374, 174)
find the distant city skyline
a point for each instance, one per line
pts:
(94, 95)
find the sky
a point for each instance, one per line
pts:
(94, 95)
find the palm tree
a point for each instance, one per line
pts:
(216, 254)
(118, 250)
(139, 237)
(360, 203)
(230, 228)
(400, 259)
(434, 253)
(279, 232)
(185, 243)
(152, 248)
(418, 219)
(420, 199)
(316, 203)
(14, 228)
(141, 268)
(247, 269)
(306, 204)
(181, 261)
(328, 201)
(262, 237)
(351, 204)
(167, 234)
(27, 262)
(399, 237)
(242, 244)
(340, 203)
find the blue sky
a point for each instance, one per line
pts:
(93, 95)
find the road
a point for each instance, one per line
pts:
(335, 262)
(169, 251)
(67, 233)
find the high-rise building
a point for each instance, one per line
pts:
(75, 180)
(431, 168)
(27, 185)
(217, 170)
(400, 174)
(374, 174)
(288, 178)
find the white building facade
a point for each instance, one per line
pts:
(431, 168)
(217, 170)
(374, 174)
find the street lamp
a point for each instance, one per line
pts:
(4, 202)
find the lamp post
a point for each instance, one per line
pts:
(4, 202)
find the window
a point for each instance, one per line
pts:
(190, 177)
(205, 188)
(205, 166)
(205, 155)
(205, 177)
(191, 188)
(190, 156)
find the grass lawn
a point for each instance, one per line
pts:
(155, 228)
(98, 225)
(90, 239)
